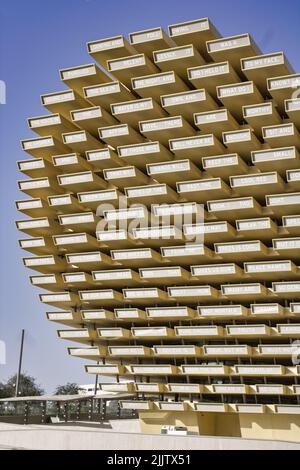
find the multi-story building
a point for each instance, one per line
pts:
(164, 224)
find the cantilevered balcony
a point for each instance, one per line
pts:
(37, 245)
(51, 282)
(166, 128)
(292, 109)
(40, 226)
(222, 311)
(80, 280)
(186, 103)
(125, 68)
(283, 204)
(233, 48)
(245, 207)
(115, 239)
(242, 142)
(192, 294)
(129, 351)
(134, 257)
(210, 231)
(209, 76)
(186, 254)
(215, 122)
(70, 163)
(92, 352)
(105, 369)
(271, 270)
(287, 247)
(282, 87)
(140, 154)
(72, 242)
(155, 236)
(53, 124)
(144, 194)
(82, 335)
(199, 332)
(152, 332)
(130, 314)
(103, 158)
(67, 317)
(97, 316)
(62, 203)
(259, 370)
(262, 228)
(178, 58)
(260, 68)
(131, 112)
(109, 48)
(158, 84)
(279, 159)
(119, 134)
(80, 141)
(36, 168)
(205, 369)
(225, 272)
(34, 207)
(250, 331)
(91, 119)
(45, 264)
(101, 296)
(142, 296)
(246, 292)
(164, 275)
(152, 369)
(39, 187)
(149, 40)
(289, 290)
(196, 147)
(82, 75)
(171, 172)
(113, 333)
(293, 179)
(43, 147)
(201, 190)
(262, 114)
(170, 313)
(123, 177)
(235, 95)
(63, 300)
(253, 249)
(116, 277)
(227, 350)
(281, 135)
(224, 165)
(195, 32)
(104, 94)
(98, 200)
(63, 102)
(272, 310)
(291, 224)
(86, 221)
(83, 181)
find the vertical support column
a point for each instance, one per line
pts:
(26, 412)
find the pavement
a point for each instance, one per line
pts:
(111, 436)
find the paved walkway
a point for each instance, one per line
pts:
(92, 437)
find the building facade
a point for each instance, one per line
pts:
(163, 225)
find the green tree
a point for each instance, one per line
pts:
(68, 389)
(27, 387)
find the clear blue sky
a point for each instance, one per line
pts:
(39, 37)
